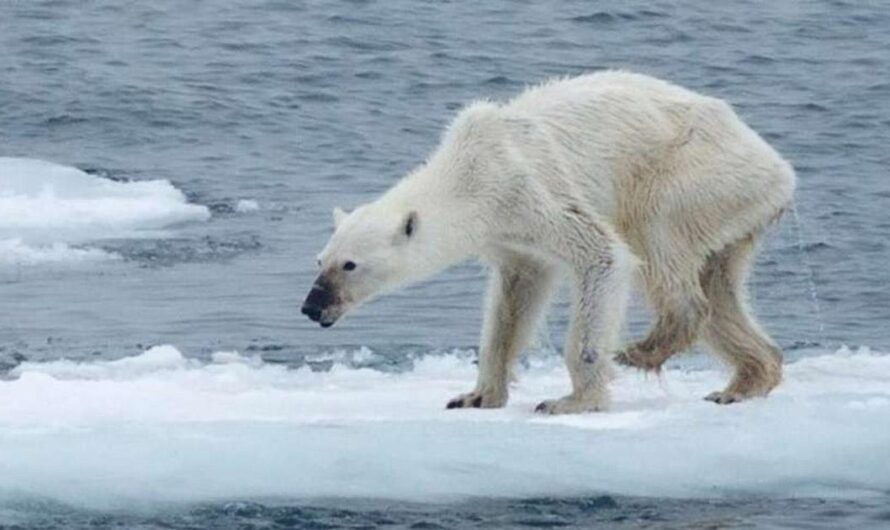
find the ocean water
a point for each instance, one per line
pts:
(167, 173)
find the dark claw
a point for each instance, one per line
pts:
(722, 399)
(455, 404)
(542, 407)
(477, 402)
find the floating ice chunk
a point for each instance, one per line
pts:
(162, 427)
(47, 206)
(247, 205)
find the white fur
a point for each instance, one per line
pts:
(592, 176)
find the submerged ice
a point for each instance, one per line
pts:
(46, 209)
(162, 427)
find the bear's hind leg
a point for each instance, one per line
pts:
(731, 330)
(517, 294)
(681, 309)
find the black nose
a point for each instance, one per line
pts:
(320, 297)
(312, 312)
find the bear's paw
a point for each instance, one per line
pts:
(723, 397)
(478, 399)
(635, 356)
(570, 405)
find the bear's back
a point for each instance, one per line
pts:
(609, 86)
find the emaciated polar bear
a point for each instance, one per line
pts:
(598, 175)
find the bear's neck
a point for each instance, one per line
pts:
(448, 222)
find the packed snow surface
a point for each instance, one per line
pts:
(162, 427)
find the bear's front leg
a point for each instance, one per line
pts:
(602, 289)
(518, 291)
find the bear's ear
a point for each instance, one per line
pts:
(409, 227)
(339, 215)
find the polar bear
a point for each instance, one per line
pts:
(609, 178)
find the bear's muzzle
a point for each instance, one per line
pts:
(320, 298)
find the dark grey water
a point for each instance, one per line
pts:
(572, 512)
(303, 106)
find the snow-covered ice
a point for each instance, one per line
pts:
(163, 427)
(48, 210)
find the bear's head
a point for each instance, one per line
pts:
(373, 249)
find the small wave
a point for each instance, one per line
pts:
(64, 119)
(16, 252)
(757, 60)
(171, 250)
(367, 46)
(318, 97)
(600, 17)
(603, 17)
(811, 106)
(500, 80)
(606, 17)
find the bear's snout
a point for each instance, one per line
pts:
(313, 313)
(320, 298)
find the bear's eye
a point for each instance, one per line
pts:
(410, 223)
(349, 266)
